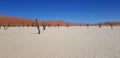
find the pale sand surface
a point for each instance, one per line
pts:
(73, 42)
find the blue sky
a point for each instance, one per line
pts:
(76, 11)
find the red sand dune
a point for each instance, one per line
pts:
(113, 23)
(5, 20)
(18, 21)
(107, 23)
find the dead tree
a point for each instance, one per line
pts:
(44, 26)
(99, 25)
(87, 25)
(4, 26)
(58, 25)
(111, 26)
(8, 25)
(37, 25)
(33, 24)
(67, 25)
(27, 25)
(23, 25)
(0, 26)
(55, 26)
(49, 25)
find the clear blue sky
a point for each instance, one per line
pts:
(77, 11)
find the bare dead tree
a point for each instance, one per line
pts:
(27, 25)
(111, 26)
(55, 26)
(37, 25)
(44, 25)
(33, 24)
(8, 25)
(23, 24)
(0, 26)
(67, 25)
(49, 25)
(4, 27)
(99, 25)
(87, 25)
(58, 25)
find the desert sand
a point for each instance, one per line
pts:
(72, 42)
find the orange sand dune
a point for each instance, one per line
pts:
(12, 20)
(107, 23)
(4, 20)
(18, 21)
(113, 23)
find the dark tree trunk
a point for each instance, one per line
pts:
(8, 26)
(23, 25)
(4, 27)
(87, 25)
(99, 25)
(33, 25)
(111, 26)
(27, 25)
(49, 25)
(67, 25)
(58, 25)
(37, 25)
(44, 26)
(0, 26)
(38, 28)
